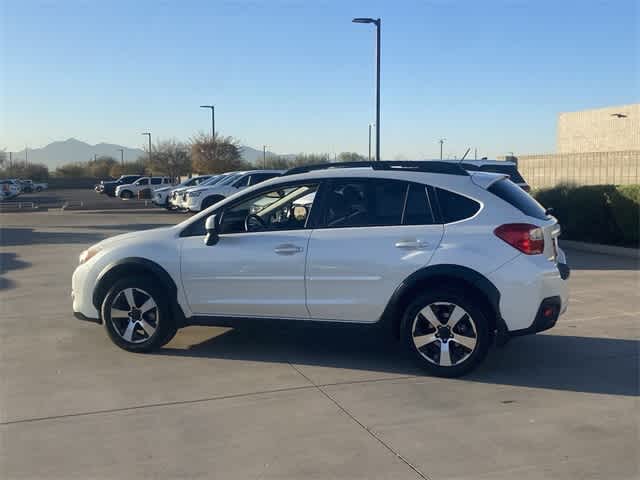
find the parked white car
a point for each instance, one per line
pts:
(162, 195)
(143, 183)
(179, 197)
(9, 189)
(199, 198)
(29, 186)
(447, 259)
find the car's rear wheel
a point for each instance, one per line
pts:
(136, 314)
(445, 332)
(126, 194)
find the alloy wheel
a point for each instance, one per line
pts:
(444, 334)
(134, 315)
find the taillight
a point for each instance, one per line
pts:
(525, 237)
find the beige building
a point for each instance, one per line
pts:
(609, 129)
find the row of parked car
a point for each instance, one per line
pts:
(12, 187)
(193, 194)
(197, 193)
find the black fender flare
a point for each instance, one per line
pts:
(132, 264)
(448, 272)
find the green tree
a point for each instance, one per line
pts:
(351, 157)
(73, 170)
(101, 166)
(33, 171)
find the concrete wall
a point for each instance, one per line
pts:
(591, 168)
(599, 130)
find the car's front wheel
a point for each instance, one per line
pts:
(127, 194)
(136, 314)
(446, 332)
(207, 202)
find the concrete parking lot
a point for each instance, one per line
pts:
(298, 402)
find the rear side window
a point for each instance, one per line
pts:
(454, 207)
(514, 195)
(417, 210)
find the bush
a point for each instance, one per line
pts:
(606, 214)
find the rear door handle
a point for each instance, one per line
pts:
(411, 244)
(287, 249)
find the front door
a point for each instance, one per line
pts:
(257, 267)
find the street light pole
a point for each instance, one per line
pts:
(441, 141)
(378, 23)
(121, 156)
(149, 135)
(370, 125)
(264, 156)
(213, 119)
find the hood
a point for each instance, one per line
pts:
(131, 236)
(163, 189)
(200, 189)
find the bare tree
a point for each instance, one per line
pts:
(170, 158)
(216, 154)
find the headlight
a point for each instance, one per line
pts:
(87, 254)
(194, 194)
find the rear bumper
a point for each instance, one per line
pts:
(526, 284)
(546, 317)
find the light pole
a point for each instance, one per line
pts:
(377, 22)
(370, 125)
(213, 119)
(121, 156)
(95, 157)
(264, 156)
(149, 135)
(441, 141)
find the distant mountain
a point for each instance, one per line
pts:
(255, 157)
(73, 150)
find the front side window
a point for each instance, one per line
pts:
(143, 181)
(282, 208)
(261, 177)
(243, 182)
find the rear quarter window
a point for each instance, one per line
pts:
(454, 207)
(515, 196)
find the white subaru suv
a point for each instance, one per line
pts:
(199, 198)
(446, 258)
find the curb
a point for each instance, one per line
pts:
(603, 249)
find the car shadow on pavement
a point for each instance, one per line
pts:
(595, 261)
(10, 261)
(580, 364)
(10, 236)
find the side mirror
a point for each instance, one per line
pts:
(211, 226)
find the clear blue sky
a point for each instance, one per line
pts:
(299, 76)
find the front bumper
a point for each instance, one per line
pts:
(81, 294)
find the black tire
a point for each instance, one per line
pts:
(207, 202)
(471, 328)
(157, 318)
(126, 194)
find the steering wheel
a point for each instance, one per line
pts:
(252, 221)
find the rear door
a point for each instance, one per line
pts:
(372, 234)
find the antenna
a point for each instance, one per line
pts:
(465, 155)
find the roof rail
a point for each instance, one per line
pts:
(430, 166)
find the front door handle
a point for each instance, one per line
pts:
(412, 244)
(287, 249)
